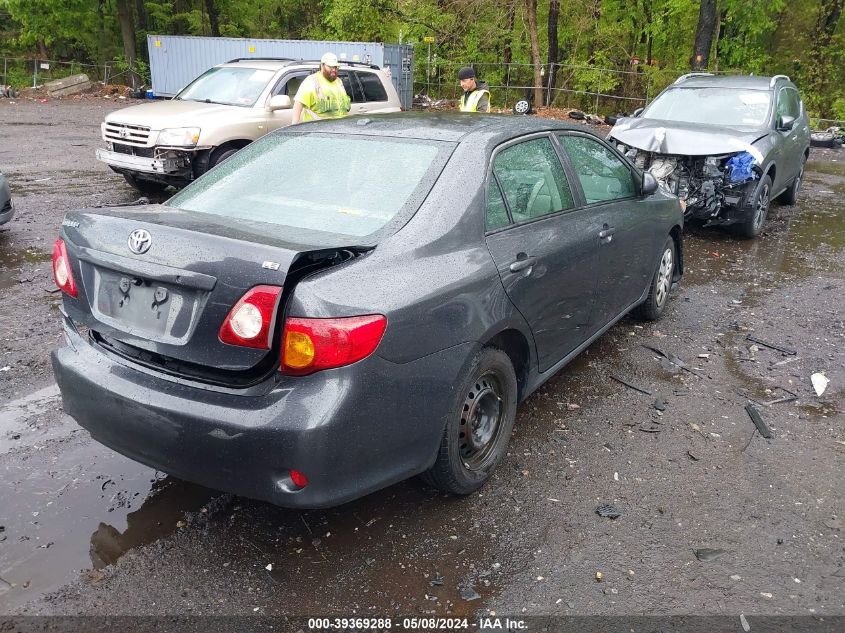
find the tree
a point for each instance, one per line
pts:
(703, 35)
(827, 18)
(127, 30)
(531, 10)
(554, 14)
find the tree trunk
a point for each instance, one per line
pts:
(819, 71)
(127, 30)
(554, 14)
(42, 49)
(703, 35)
(141, 12)
(213, 17)
(507, 54)
(531, 9)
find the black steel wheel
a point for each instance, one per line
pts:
(478, 430)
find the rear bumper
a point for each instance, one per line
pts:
(351, 430)
(141, 164)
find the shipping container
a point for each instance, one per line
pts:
(176, 60)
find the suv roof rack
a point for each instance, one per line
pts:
(344, 62)
(260, 59)
(775, 78)
(688, 75)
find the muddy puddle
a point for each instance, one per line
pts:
(812, 233)
(15, 269)
(75, 505)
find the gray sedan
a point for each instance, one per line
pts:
(345, 304)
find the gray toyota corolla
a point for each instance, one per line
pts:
(345, 304)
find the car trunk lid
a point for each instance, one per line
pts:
(166, 304)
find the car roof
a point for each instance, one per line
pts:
(750, 82)
(446, 126)
(268, 63)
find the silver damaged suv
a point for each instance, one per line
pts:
(172, 142)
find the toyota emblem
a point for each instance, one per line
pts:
(123, 133)
(140, 241)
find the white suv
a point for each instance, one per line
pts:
(230, 105)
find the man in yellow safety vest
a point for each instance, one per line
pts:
(476, 97)
(321, 95)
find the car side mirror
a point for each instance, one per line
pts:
(279, 102)
(638, 112)
(649, 184)
(785, 123)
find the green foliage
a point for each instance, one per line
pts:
(838, 109)
(121, 67)
(594, 37)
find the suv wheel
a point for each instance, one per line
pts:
(790, 196)
(758, 211)
(221, 154)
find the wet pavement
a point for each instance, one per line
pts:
(85, 530)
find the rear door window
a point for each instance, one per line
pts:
(603, 175)
(532, 179)
(372, 86)
(350, 84)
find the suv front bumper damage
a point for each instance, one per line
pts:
(175, 165)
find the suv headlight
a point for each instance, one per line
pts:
(179, 136)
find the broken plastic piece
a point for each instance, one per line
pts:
(755, 416)
(785, 350)
(608, 511)
(820, 382)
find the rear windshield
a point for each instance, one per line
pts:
(737, 107)
(304, 185)
(228, 85)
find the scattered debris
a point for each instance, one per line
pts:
(608, 511)
(789, 398)
(761, 425)
(766, 594)
(819, 380)
(599, 576)
(785, 350)
(468, 593)
(650, 427)
(834, 524)
(693, 457)
(631, 385)
(6, 368)
(659, 404)
(744, 623)
(736, 577)
(674, 360)
(705, 554)
(269, 567)
(438, 580)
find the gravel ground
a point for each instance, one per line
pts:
(86, 531)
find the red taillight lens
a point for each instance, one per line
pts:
(250, 323)
(62, 273)
(299, 479)
(309, 345)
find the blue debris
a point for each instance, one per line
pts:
(741, 167)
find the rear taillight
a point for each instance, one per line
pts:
(62, 273)
(250, 322)
(309, 345)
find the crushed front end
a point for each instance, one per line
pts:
(715, 189)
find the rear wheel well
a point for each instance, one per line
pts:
(513, 343)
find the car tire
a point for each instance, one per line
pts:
(759, 209)
(523, 106)
(221, 154)
(661, 284)
(479, 427)
(149, 187)
(790, 196)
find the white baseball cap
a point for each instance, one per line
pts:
(330, 59)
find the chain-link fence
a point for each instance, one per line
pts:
(588, 88)
(23, 72)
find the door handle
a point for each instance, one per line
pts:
(523, 262)
(607, 232)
